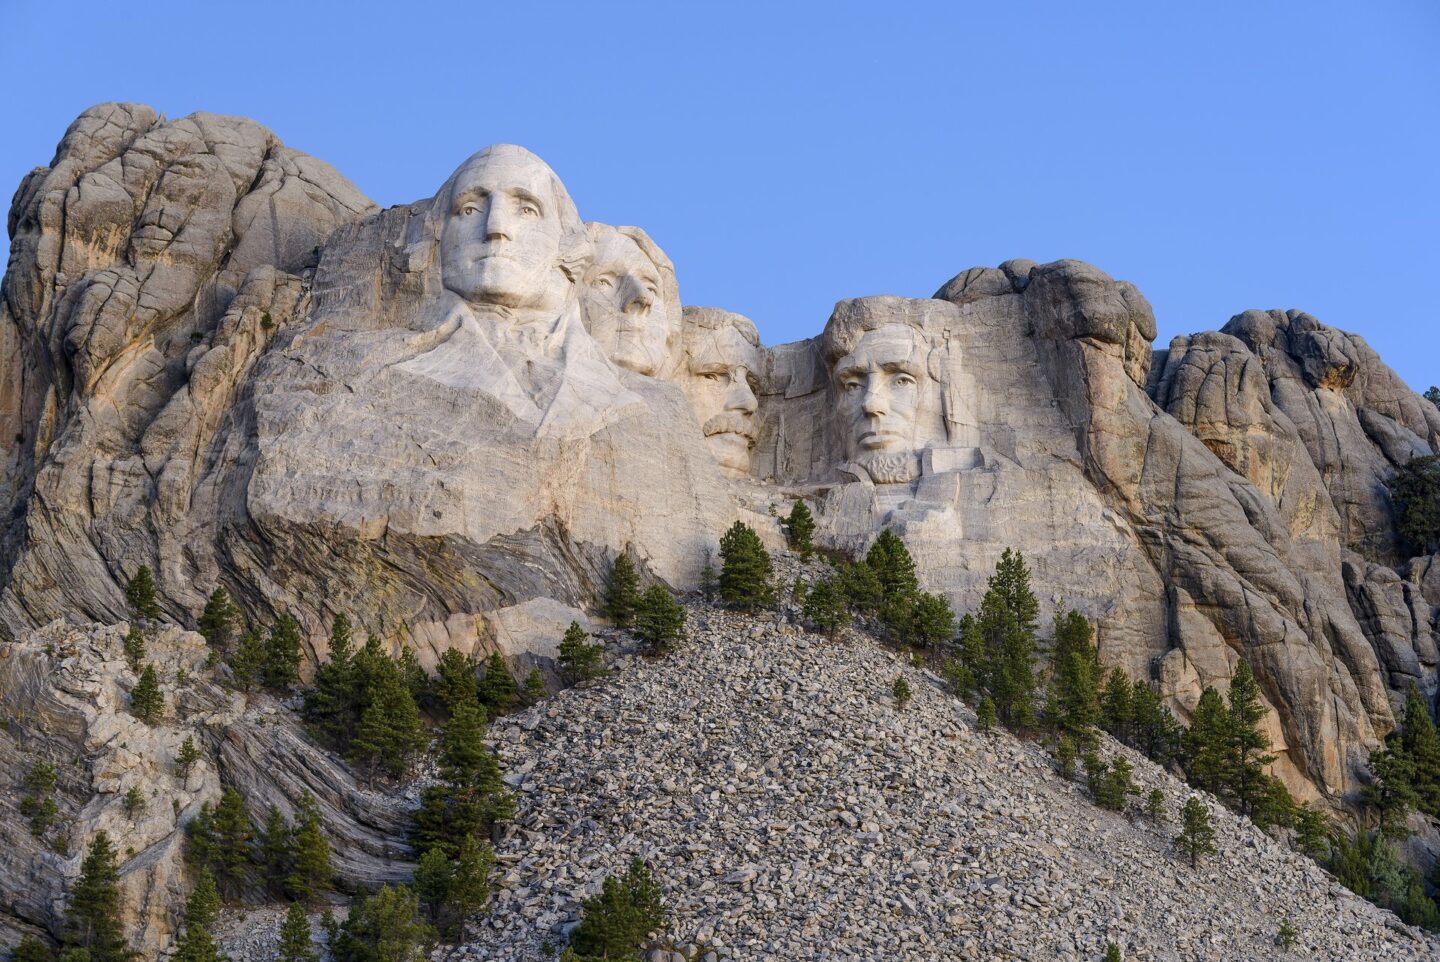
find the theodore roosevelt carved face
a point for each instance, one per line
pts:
(512, 239)
(631, 304)
(721, 378)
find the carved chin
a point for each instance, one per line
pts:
(732, 451)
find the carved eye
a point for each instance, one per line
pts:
(850, 386)
(469, 210)
(605, 280)
(713, 376)
(904, 380)
(529, 210)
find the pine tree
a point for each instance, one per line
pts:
(932, 623)
(825, 607)
(471, 795)
(310, 870)
(467, 885)
(249, 661)
(390, 733)
(295, 942)
(1006, 627)
(273, 848)
(433, 873)
(497, 688)
(1076, 684)
(1391, 792)
(659, 620)
(622, 594)
(92, 921)
(901, 691)
(580, 660)
(219, 619)
(1272, 806)
(1154, 729)
(860, 586)
(745, 569)
(230, 836)
(1155, 805)
(1112, 786)
(894, 568)
(146, 701)
(414, 676)
(617, 922)
(1433, 395)
(1311, 832)
(1206, 744)
(1245, 779)
(31, 949)
(800, 528)
(1065, 755)
(1421, 744)
(281, 668)
(202, 908)
(534, 688)
(1197, 836)
(134, 802)
(1112, 953)
(134, 646)
(333, 702)
(186, 758)
(386, 927)
(1415, 491)
(1117, 715)
(140, 596)
(455, 679)
(985, 715)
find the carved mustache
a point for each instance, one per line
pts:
(728, 422)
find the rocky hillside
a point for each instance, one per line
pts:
(793, 812)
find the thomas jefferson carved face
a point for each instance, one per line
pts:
(882, 385)
(501, 243)
(628, 302)
(721, 379)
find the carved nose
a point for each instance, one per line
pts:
(635, 298)
(874, 403)
(740, 397)
(497, 222)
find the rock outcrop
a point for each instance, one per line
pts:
(65, 694)
(221, 361)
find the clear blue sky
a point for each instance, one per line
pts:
(1220, 155)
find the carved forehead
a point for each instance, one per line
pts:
(615, 250)
(892, 346)
(506, 166)
(727, 346)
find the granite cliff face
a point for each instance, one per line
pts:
(447, 418)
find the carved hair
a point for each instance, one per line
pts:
(714, 319)
(575, 248)
(853, 319)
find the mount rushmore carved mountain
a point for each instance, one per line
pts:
(446, 418)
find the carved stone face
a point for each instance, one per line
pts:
(721, 382)
(882, 385)
(501, 242)
(625, 307)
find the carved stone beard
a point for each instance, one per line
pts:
(892, 468)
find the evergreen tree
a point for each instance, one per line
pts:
(931, 621)
(800, 528)
(1415, 490)
(134, 647)
(860, 586)
(901, 691)
(1197, 836)
(385, 927)
(1311, 832)
(471, 795)
(1207, 743)
(31, 949)
(659, 620)
(454, 891)
(333, 702)
(1006, 626)
(1112, 786)
(1065, 755)
(295, 942)
(986, 716)
(622, 594)
(202, 908)
(1245, 778)
(273, 850)
(617, 923)
(186, 758)
(534, 688)
(92, 921)
(230, 836)
(1421, 744)
(1112, 953)
(1272, 806)
(134, 802)
(745, 569)
(498, 691)
(825, 607)
(390, 733)
(249, 661)
(1391, 792)
(310, 853)
(1076, 684)
(1433, 396)
(580, 660)
(281, 667)
(433, 873)
(1154, 729)
(1117, 715)
(413, 675)
(219, 620)
(1350, 861)
(140, 596)
(146, 701)
(455, 679)
(1155, 805)
(894, 568)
